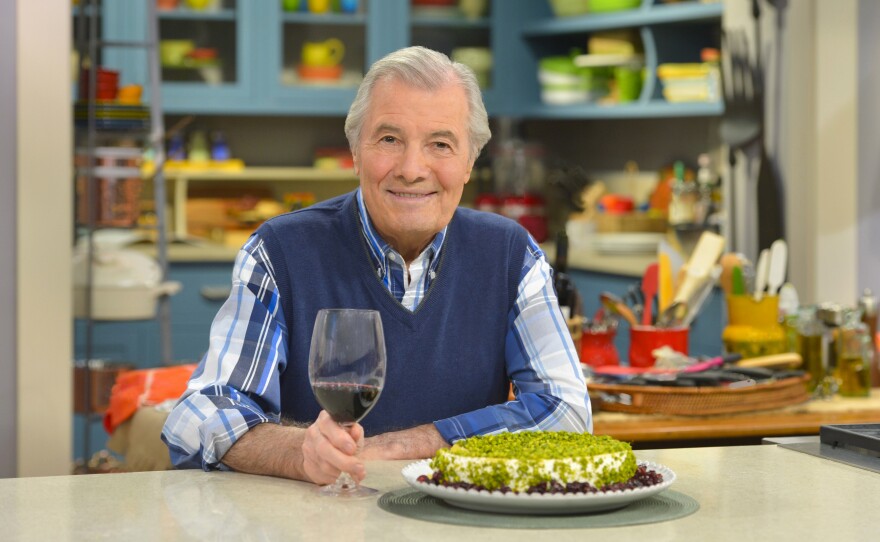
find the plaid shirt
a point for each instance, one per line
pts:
(233, 390)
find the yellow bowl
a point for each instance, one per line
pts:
(173, 52)
(129, 94)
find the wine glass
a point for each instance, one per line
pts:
(347, 372)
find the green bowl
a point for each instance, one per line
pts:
(601, 6)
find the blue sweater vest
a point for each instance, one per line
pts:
(444, 359)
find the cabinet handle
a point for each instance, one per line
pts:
(215, 293)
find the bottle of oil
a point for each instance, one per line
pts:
(809, 345)
(868, 304)
(831, 317)
(855, 354)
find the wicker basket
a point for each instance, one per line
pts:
(699, 401)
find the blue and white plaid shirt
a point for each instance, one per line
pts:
(213, 413)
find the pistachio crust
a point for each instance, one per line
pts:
(522, 460)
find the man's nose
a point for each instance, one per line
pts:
(413, 164)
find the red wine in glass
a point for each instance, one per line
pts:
(344, 401)
(347, 372)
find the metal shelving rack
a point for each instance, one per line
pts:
(89, 45)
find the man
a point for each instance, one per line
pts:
(466, 301)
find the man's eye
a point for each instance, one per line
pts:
(442, 145)
(388, 139)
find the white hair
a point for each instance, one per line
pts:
(425, 69)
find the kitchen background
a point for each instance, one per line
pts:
(814, 128)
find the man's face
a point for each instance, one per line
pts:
(413, 161)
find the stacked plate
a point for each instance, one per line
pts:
(112, 116)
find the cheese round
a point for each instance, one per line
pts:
(520, 461)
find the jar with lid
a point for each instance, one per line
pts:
(855, 354)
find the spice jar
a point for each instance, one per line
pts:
(855, 353)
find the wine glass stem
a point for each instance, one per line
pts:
(345, 482)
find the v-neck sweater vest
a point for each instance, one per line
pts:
(444, 359)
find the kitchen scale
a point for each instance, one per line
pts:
(854, 444)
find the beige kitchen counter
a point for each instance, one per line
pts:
(745, 493)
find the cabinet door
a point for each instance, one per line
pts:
(205, 50)
(461, 30)
(313, 61)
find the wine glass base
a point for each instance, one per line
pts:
(356, 492)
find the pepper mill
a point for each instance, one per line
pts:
(868, 304)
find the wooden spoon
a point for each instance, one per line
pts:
(615, 305)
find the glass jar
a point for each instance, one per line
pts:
(855, 354)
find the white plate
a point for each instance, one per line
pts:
(495, 501)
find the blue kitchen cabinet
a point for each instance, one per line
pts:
(704, 338)
(254, 43)
(259, 45)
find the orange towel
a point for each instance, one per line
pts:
(144, 387)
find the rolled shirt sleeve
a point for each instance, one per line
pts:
(237, 384)
(542, 364)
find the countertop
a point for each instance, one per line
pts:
(745, 493)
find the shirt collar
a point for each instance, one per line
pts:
(380, 250)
